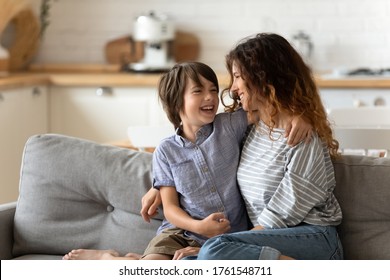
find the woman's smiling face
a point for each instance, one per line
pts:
(240, 88)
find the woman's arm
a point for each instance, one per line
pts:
(212, 225)
(258, 228)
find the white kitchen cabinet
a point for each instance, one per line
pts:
(23, 113)
(103, 114)
(354, 97)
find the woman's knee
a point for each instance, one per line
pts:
(210, 248)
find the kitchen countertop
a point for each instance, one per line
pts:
(353, 82)
(109, 75)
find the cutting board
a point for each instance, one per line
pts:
(186, 47)
(124, 50)
(26, 40)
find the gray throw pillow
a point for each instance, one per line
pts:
(79, 194)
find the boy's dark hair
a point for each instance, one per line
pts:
(172, 85)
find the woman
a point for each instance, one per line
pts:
(288, 191)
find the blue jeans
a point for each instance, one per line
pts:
(303, 242)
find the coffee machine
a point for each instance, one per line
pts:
(156, 34)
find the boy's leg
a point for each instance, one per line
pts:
(86, 254)
(164, 245)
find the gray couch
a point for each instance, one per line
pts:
(79, 194)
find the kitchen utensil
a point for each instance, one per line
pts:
(156, 32)
(10, 8)
(4, 61)
(186, 47)
(304, 45)
(26, 39)
(124, 50)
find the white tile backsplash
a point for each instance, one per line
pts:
(345, 33)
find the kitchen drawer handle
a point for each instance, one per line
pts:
(358, 103)
(379, 101)
(36, 91)
(104, 91)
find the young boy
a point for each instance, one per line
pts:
(195, 169)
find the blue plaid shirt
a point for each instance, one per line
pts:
(204, 173)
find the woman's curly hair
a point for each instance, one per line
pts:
(273, 69)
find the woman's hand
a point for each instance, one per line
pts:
(150, 203)
(187, 251)
(298, 130)
(259, 227)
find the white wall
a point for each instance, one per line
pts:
(346, 33)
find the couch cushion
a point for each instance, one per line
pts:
(78, 194)
(363, 191)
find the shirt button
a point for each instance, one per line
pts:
(205, 169)
(212, 189)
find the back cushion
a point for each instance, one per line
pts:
(79, 194)
(363, 191)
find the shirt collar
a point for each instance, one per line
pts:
(201, 135)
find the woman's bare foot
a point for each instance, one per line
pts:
(85, 254)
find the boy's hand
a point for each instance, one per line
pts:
(298, 130)
(150, 203)
(213, 225)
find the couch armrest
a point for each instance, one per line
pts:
(7, 213)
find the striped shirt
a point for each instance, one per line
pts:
(283, 186)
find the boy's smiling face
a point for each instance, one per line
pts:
(200, 105)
